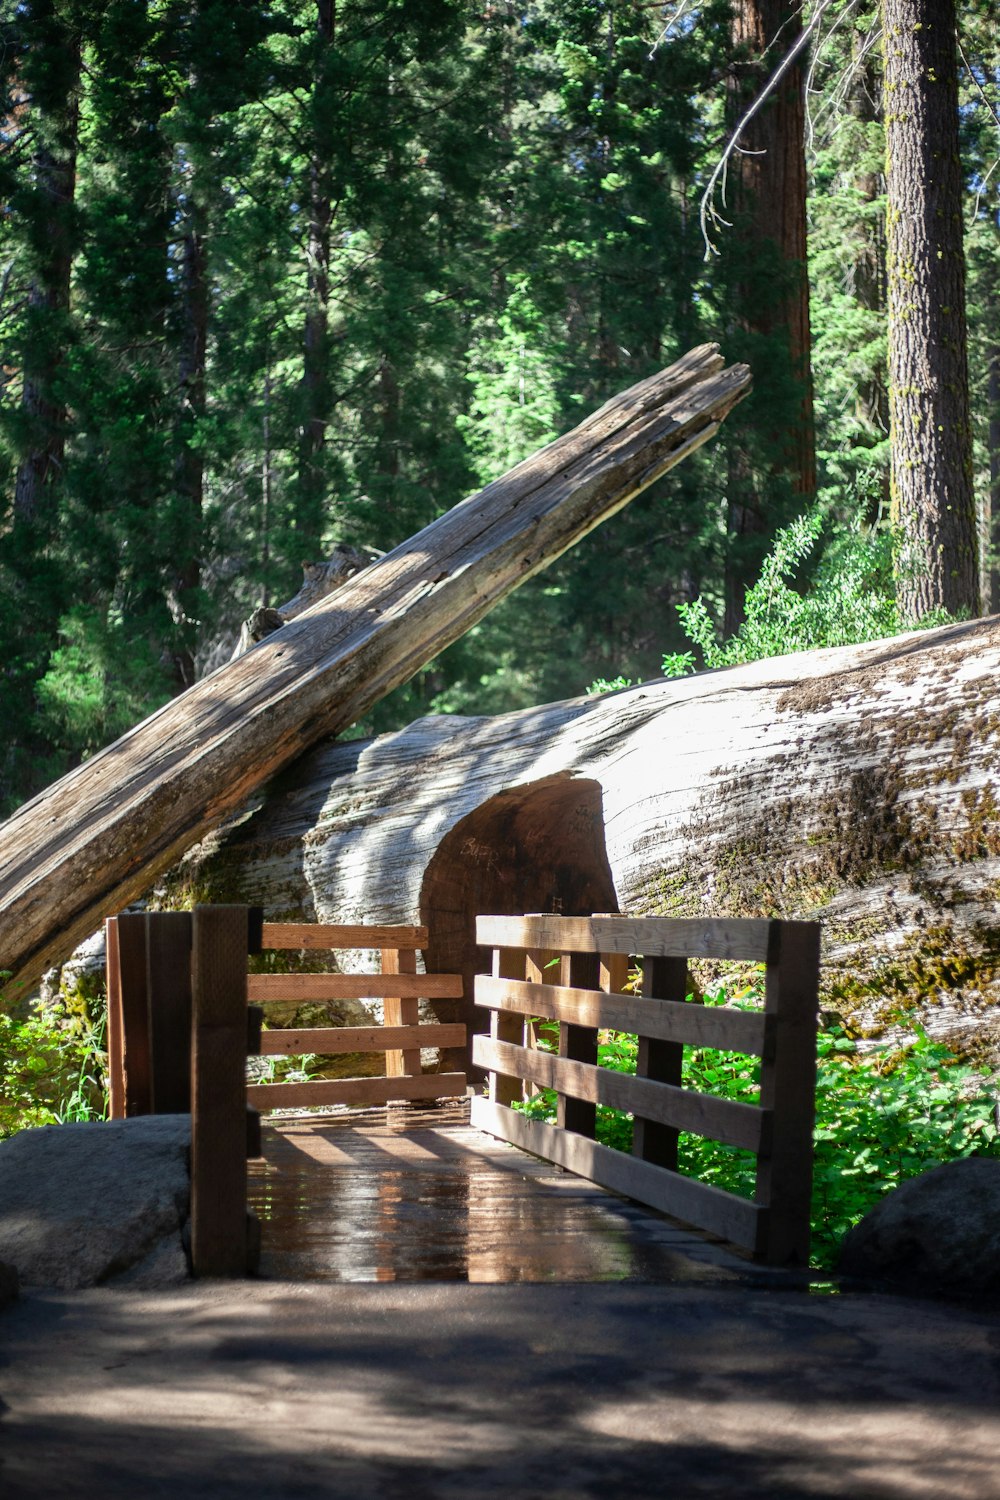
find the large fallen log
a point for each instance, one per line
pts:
(100, 836)
(857, 786)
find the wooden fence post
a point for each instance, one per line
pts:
(788, 1087)
(399, 1012)
(218, 1091)
(114, 1037)
(133, 994)
(662, 979)
(168, 992)
(581, 971)
(505, 1026)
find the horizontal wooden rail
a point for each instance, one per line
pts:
(328, 936)
(742, 939)
(734, 1219)
(330, 1041)
(264, 989)
(590, 953)
(322, 1091)
(719, 1026)
(725, 1120)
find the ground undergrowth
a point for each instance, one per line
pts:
(881, 1117)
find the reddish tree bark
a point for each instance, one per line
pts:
(769, 198)
(930, 431)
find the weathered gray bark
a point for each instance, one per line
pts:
(318, 580)
(931, 435)
(99, 837)
(856, 785)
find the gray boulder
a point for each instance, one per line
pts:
(937, 1235)
(83, 1204)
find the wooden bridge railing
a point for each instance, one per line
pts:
(400, 1037)
(571, 970)
(182, 1022)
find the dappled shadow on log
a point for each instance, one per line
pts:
(538, 847)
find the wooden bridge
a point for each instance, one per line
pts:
(184, 1013)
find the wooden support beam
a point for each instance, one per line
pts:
(508, 963)
(99, 837)
(115, 1040)
(218, 1091)
(788, 1089)
(667, 937)
(331, 1041)
(400, 1009)
(701, 1026)
(726, 1120)
(579, 1043)
(326, 936)
(168, 968)
(401, 984)
(134, 992)
(324, 1091)
(663, 979)
(721, 1213)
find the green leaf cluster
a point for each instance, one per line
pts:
(882, 1116)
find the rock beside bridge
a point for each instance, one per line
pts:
(937, 1235)
(86, 1204)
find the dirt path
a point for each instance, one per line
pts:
(256, 1391)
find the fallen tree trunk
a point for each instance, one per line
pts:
(857, 786)
(100, 836)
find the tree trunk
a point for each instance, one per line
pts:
(316, 331)
(773, 302)
(931, 436)
(99, 837)
(872, 404)
(855, 786)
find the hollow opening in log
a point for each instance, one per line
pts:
(533, 848)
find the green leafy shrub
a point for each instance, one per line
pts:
(850, 597)
(52, 1070)
(881, 1117)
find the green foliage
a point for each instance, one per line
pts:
(848, 598)
(52, 1070)
(606, 685)
(881, 1117)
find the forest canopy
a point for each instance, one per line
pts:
(274, 277)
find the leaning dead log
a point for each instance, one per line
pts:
(100, 836)
(318, 580)
(858, 786)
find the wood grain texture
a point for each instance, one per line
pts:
(720, 1119)
(660, 1059)
(218, 1091)
(100, 836)
(333, 936)
(322, 1092)
(504, 1027)
(708, 1208)
(578, 1044)
(671, 1021)
(168, 961)
(115, 1040)
(331, 1041)
(265, 989)
(788, 1087)
(134, 991)
(400, 1009)
(682, 938)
